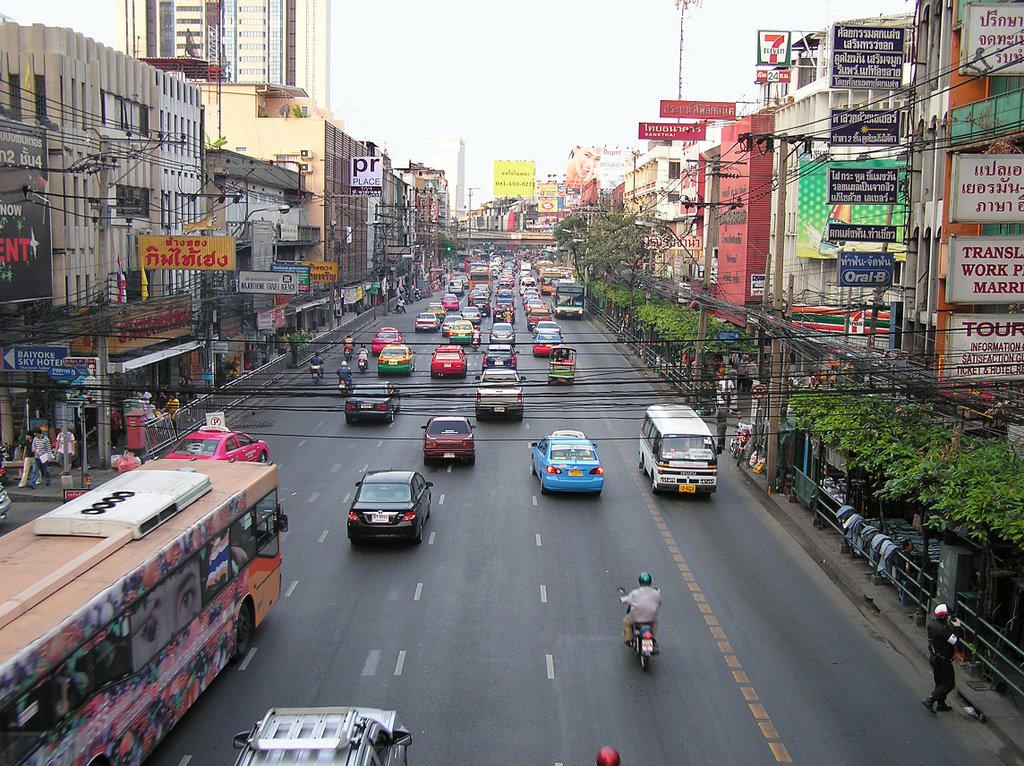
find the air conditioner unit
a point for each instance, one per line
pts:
(305, 167)
(305, 153)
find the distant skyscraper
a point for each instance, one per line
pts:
(285, 42)
(450, 156)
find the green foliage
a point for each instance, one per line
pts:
(218, 144)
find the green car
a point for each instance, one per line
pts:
(461, 332)
(396, 359)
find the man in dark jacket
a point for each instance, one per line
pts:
(942, 642)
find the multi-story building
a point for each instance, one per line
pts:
(431, 214)
(450, 156)
(284, 42)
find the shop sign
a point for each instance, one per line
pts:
(289, 232)
(280, 283)
(864, 127)
(867, 57)
(984, 347)
(851, 232)
(367, 176)
(773, 48)
(137, 325)
(301, 274)
(700, 110)
(25, 252)
(987, 188)
(265, 320)
(772, 75)
(672, 131)
(865, 269)
(862, 186)
(188, 253)
(985, 270)
(992, 40)
(756, 284)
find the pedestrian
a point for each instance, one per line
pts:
(942, 643)
(65, 448)
(116, 427)
(25, 454)
(42, 451)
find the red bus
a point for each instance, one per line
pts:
(121, 606)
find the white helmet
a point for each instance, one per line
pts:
(344, 363)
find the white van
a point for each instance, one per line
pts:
(677, 450)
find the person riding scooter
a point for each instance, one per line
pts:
(364, 358)
(349, 344)
(400, 306)
(642, 606)
(316, 367)
(476, 338)
(344, 378)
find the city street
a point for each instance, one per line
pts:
(498, 639)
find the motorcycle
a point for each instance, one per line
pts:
(476, 340)
(400, 307)
(316, 371)
(344, 388)
(349, 346)
(363, 364)
(644, 645)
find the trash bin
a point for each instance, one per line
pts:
(135, 431)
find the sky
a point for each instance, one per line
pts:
(527, 80)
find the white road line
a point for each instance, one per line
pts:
(380, 444)
(538, 539)
(321, 424)
(527, 426)
(543, 594)
(313, 496)
(401, 663)
(419, 589)
(344, 500)
(291, 589)
(534, 499)
(323, 536)
(364, 468)
(430, 540)
(449, 468)
(440, 500)
(372, 660)
(551, 665)
(248, 658)
(185, 760)
(301, 442)
(336, 467)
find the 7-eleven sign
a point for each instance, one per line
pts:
(773, 48)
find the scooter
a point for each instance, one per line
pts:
(363, 364)
(644, 646)
(316, 371)
(349, 345)
(400, 308)
(343, 387)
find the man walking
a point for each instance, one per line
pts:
(942, 642)
(43, 453)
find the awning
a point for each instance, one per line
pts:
(156, 356)
(304, 306)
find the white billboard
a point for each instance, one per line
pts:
(992, 40)
(985, 270)
(277, 282)
(367, 176)
(987, 188)
(984, 347)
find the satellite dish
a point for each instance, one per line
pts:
(283, 111)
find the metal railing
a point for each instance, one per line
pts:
(1000, 660)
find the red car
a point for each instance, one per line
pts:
(384, 336)
(210, 443)
(544, 341)
(448, 437)
(448, 360)
(450, 302)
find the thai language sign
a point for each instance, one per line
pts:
(984, 347)
(864, 127)
(865, 269)
(301, 274)
(867, 57)
(846, 232)
(514, 178)
(25, 253)
(992, 40)
(862, 186)
(985, 270)
(987, 188)
(772, 75)
(367, 176)
(672, 131)
(700, 110)
(322, 272)
(137, 325)
(190, 253)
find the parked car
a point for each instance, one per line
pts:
(389, 505)
(215, 443)
(373, 401)
(502, 332)
(396, 359)
(500, 393)
(383, 337)
(543, 342)
(427, 321)
(448, 437)
(500, 355)
(448, 360)
(566, 464)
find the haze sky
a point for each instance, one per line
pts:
(526, 80)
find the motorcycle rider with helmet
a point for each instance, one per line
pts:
(642, 604)
(316, 366)
(608, 756)
(345, 375)
(363, 357)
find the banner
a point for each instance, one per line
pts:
(984, 347)
(26, 259)
(322, 272)
(367, 176)
(187, 253)
(673, 131)
(700, 110)
(514, 178)
(867, 57)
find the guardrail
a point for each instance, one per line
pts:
(1000, 660)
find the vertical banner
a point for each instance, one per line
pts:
(26, 264)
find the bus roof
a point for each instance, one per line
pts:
(45, 579)
(677, 420)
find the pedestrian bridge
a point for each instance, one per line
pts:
(480, 236)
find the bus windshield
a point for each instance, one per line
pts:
(687, 448)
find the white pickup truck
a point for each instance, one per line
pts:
(500, 394)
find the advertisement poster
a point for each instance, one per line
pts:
(187, 252)
(582, 165)
(367, 176)
(25, 254)
(814, 213)
(612, 169)
(984, 347)
(514, 178)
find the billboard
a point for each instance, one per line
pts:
(514, 178)
(581, 167)
(137, 325)
(867, 57)
(990, 40)
(985, 270)
(773, 48)
(986, 188)
(612, 169)
(673, 131)
(187, 252)
(547, 198)
(984, 347)
(815, 214)
(367, 176)
(699, 110)
(26, 258)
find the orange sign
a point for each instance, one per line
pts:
(138, 325)
(192, 252)
(323, 272)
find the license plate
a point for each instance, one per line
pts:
(447, 366)
(647, 645)
(366, 406)
(688, 488)
(499, 409)
(393, 364)
(574, 472)
(449, 454)
(499, 363)
(378, 518)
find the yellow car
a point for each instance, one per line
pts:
(461, 332)
(396, 359)
(435, 307)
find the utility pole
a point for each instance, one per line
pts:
(776, 381)
(713, 158)
(102, 349)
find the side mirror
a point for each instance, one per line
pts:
(533, 444)
(424, 427)
(477, 377)
(241, 739)
(401, 736)
(359, 483)
(282, 521)
(430, 484)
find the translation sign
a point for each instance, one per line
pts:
(864, 127)
(987, 188)
(863, 186)
(985, 270)
(867, 57)
(865, 269)
(673, 131)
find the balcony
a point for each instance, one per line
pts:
(989, 119)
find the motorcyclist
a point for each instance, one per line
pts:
(349, 344)
(363, 356)
(608, 756)
(642, 606)
(476, 337)
(316, 364)
(400, 306)
(345, 375)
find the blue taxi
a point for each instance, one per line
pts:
(567, 463)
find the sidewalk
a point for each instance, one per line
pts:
(55, 492)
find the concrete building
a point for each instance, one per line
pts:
(431, 216)
(450, 156)
(284, 42)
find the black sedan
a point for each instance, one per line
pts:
(373, 401)
(389, 505)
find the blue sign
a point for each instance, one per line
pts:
(864, 127)
(33, 358)
(729, 335)
(865, 269)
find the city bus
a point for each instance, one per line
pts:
(678, 450)
(121, 606)
(569, 297)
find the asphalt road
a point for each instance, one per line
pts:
(498, 639)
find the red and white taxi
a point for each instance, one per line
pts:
(215, 443)
(448, 360)
(384, 336)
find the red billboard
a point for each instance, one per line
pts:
(672, 131)
(701, 110)
(772, 75)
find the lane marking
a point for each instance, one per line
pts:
(401, 663)
(345, 499)
(551, 666)
(301, 442)
(291, 589)
(534, 499)
(313, 496)
(543, 594)
(440, 500)
(321, 424)
(372, 660)
(365, 468)
(380, 443)
(248, 658)
(185, 760)
(538, 540)
(336, 467)
(419, 591)
(323, 536)
(430, 540)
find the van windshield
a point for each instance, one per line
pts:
(687, 448)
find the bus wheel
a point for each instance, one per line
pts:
(243, 630)
(641, 465)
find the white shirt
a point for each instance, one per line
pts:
(69, 437)
(643, 603)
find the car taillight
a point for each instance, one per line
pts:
(409, 516)
(519, 398)
(552, 469)
(599, 471)
(478, 397)
(350, 405)
(353, 516)
(381, 406)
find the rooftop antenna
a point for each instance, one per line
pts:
(683, 6)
